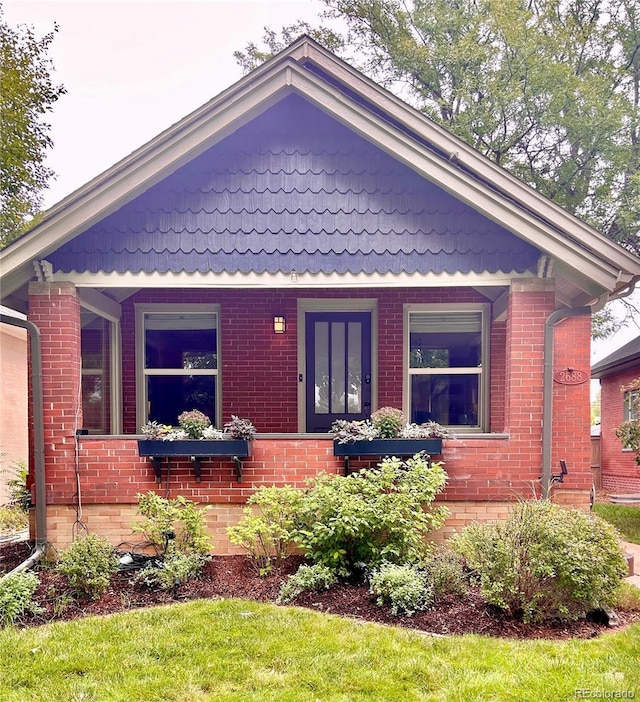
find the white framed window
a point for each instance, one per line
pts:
(177, 361)
(631, 399)
(101, 353)
(446, 365)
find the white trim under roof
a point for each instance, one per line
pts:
(288, 280)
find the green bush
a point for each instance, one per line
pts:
(178, 522)
(372, 516)
(16, 597)
(172, 571)
(445, 571)
(308, 578)
(12, 519)
(88, 565)
(406, 588)
(268, 531)
(545, 561)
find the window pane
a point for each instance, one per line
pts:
(169, 395)
(338, 370)
(321, 370)
(180, 341)
(447, 399)
(95, 344)
(354, 353)
(445, 340)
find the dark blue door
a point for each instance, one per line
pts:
(338, 368)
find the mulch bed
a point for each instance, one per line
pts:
(232, 576)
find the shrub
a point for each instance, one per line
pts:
(172, 571)
(545, 561)
(178, 521)
(446, 574)
(404, 587)
(308, 578)
(19, 495)
(12, 519)
(372, 516)
(88, 565)
(388, 422)
(268, 531)
(16, 597)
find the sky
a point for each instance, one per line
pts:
(132, 68)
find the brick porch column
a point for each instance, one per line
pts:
(530, 303)
(55, 310)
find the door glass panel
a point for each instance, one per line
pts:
(355, 367)
(322, 367)
(338, 370)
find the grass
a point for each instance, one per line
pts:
(626, 519)
(236, 650)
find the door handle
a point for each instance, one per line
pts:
(367, 379)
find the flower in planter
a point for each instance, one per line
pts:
(196, 425)
(194, 422)
(240, 428)
(386, 423)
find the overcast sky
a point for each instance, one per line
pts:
(132, 68)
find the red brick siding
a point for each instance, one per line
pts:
(619, 470)
(260, 378)
(480, 469)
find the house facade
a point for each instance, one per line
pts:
(619, 470)
(303, 248)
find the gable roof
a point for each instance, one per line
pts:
(588, 266)
(626, 357)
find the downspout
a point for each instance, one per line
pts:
(547, 390)
(38, 440)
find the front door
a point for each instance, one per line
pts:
(338, 368)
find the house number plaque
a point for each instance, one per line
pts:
(571, 376)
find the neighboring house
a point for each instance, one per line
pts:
(14, 438)
(620, 473)
(409, 269)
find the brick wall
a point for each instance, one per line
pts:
(481, 469)
(619, 471)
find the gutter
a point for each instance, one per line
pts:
(547, 390)
(38, 440)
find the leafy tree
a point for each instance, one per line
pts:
(548, 89)
(27, 94)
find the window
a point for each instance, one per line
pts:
(177, 361)
(447, 353)
(100, 350)
(631, 399)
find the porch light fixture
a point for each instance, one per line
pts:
(279, 325)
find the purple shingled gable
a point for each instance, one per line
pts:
(294, 189)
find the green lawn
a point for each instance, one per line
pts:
(626, 519)
(245, 651)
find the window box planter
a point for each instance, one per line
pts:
(196, 450)
(386, 447)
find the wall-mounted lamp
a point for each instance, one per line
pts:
(279, 325)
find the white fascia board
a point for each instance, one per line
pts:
(470, 158)
(288, 280)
